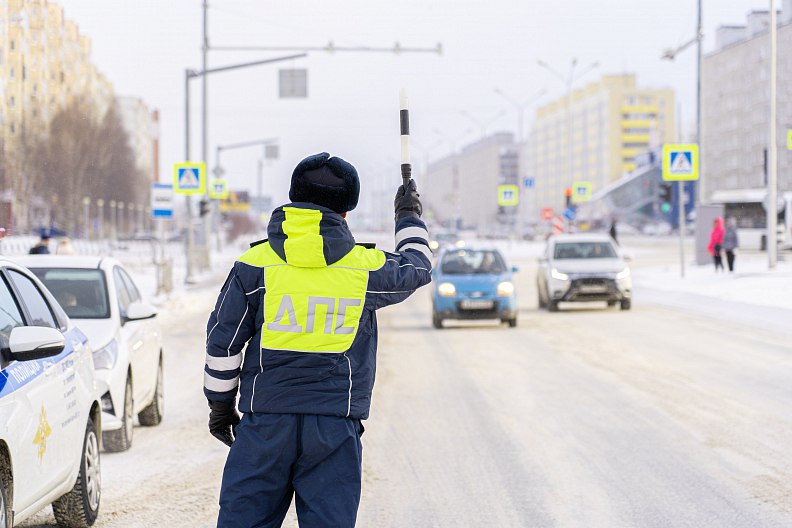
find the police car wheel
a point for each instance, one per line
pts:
(5, 510)
(552, 306)
(437, 321)
(80, 506)
(121, 439)
(153, 413)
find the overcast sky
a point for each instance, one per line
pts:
(144, 46)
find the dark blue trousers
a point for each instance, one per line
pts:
(318, 459)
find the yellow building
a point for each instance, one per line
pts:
(594, 135)
(44, 65)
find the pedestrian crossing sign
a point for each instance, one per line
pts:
(189, 178)
(508, 195)
(680, 162)
(581, 191)
(218, 189)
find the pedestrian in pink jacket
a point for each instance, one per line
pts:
(716, 242)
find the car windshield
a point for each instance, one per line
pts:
(583, 250)
(81, 292)
(465, 261)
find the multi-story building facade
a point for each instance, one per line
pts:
(735, 88)
(44, 65)
(594, 135)
(461, 190)
(142, 127)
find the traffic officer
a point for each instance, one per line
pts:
(304, 303)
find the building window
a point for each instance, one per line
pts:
(13, 129)
(13, 45)
(11, 101)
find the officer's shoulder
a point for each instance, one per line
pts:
(258, 242)
(367, 245)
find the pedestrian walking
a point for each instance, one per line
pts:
(612, 231)
(716, 243)
(302, 304)
(730, 242)
(42, 246)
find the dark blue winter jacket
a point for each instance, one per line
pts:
(302, 305)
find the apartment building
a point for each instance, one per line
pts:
(594, 134)
(735, 87)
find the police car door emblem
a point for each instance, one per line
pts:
(42, 433)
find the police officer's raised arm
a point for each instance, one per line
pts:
(410, 266)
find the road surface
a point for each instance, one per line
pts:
(591, 417)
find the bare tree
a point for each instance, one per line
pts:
(84, 154)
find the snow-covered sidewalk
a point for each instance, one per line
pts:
(753, 294)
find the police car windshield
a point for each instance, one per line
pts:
(81, 292)
(465, 261)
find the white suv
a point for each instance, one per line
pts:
(50, 414)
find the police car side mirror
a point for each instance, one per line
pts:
(35, 342)
(138, 311)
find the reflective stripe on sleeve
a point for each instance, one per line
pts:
(220, 385)
(420, 247)
(224, 362)
(411, 232)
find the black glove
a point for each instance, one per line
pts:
(406, 202)
(223, 419)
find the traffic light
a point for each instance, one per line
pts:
(665, 195)
(204, 207)
(568, 196)
(666, 192)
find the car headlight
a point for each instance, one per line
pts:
(623, 274)
(434, 244)
(505, 289)
(446, 289)
(105, 357)
(558, 275)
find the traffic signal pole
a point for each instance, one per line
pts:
(192, 74)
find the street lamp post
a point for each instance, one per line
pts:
(521, 106)
(112, 205)
(86, 217)
(569, 81)
(520, 109)
(100, 217)
(483, 124)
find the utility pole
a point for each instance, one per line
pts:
(772, 173)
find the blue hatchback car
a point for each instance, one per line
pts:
(472, 283)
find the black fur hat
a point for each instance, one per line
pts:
(329, 182)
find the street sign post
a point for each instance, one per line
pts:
(189, 178)
(581, 191)
(218, 189)
(161, 200)
(508, 195)
(681, 164)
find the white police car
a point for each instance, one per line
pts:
(50, 414)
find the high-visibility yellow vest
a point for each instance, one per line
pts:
(310, 306)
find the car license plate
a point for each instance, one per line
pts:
(477, 305)
(593, 288)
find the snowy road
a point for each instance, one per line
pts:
(590, 417)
